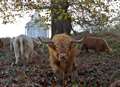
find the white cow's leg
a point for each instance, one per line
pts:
(17, 52)
(17, 56)
(27, 58)
(17, 60)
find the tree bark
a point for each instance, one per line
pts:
(61, 20)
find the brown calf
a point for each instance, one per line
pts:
(62, 54)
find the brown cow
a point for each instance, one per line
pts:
(62, 53)
(1, 44)
(95, 43)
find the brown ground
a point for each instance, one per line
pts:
(93, 70)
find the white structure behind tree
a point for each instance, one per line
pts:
(36, 27)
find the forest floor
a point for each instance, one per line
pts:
(93, 70)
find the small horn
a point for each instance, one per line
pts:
(78, 41)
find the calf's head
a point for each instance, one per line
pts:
(63, 48)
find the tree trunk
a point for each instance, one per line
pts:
(61, 20)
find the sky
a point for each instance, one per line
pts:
(12, 30)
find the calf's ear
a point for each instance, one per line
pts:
(52, 45)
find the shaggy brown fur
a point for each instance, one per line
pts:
(95, 43)
(62, 54)
(1, 44)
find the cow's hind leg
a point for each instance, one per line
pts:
(84, 47)
(27, 58)
(17, 53)
(17, 60)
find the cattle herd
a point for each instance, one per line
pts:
(62, 50)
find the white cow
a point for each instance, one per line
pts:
(23, 48)
(11, 43)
